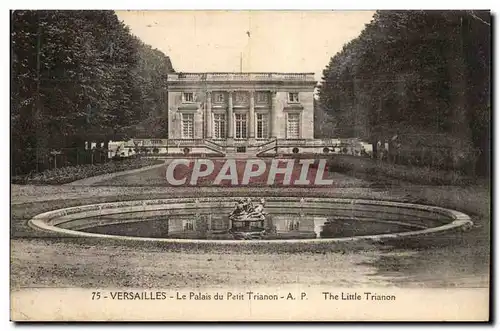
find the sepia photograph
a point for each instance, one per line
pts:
(250, 165)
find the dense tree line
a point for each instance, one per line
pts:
(80, 76)
(421, 76)
(324, 123)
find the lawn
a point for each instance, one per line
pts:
(70, 174)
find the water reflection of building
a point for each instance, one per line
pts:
(283, 223)
(318, 225)
(197, 223)
(298, 223)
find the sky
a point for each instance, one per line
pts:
(248, 41)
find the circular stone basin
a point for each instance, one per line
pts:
(289, 219)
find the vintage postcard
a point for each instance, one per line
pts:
(250, 165)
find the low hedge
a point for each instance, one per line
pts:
(375, 169)
(70, 174)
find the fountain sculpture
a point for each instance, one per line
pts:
(247, 221)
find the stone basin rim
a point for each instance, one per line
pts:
(457, 219)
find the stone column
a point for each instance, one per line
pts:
(208, 115)
(251, 122)
(230, 121)
(273, 115)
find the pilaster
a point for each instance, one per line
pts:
(251, 120)
(208, 115)
(230, 119)
(273, 115)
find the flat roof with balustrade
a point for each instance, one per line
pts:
(273, 78)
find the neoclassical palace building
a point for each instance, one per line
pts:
(237, 114)
(240, 112)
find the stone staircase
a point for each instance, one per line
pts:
(229, 151)
(243, 155)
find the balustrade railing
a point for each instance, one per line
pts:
(250, 76)
(185, 142)
(220, 145)
(291, 142)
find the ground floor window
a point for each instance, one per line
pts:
(187, 125)
(219, 126)
(241, 126)
(293, 126)
(262, 126)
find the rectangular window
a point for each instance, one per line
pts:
(187, 125)
(241, 126)
(293, 97)
(188, 97)
(293, 126)
(262, 126)
(220, 126)
(292, 225)
(188, 225)
(219, 97)
(262, 97)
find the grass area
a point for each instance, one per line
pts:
(363, 167)
(70, 174)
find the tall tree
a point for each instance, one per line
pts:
(77, 76)
(416, 72)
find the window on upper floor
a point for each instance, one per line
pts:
(241, 126)
(188, 225)
(220, 126)
(292, 225)
(262, 126)
(188, 97)
(293, 97)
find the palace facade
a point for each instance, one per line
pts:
(240, 112)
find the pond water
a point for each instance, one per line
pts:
(285, 218)
(308, 224)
